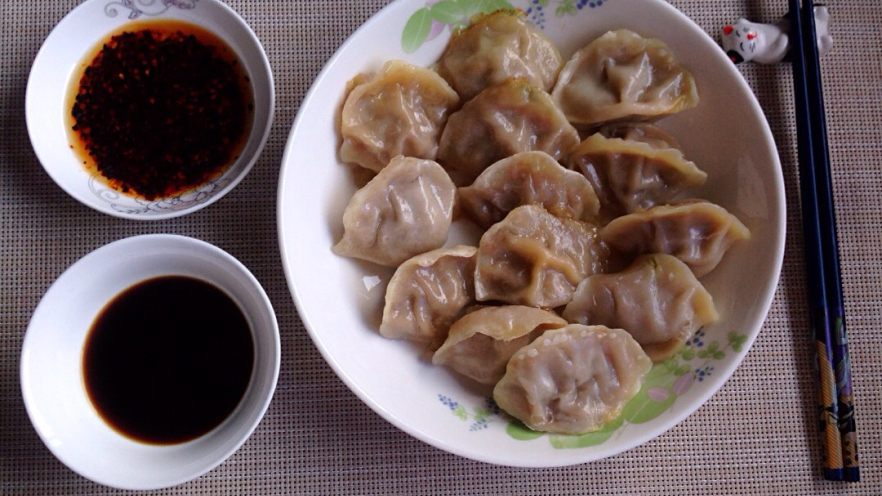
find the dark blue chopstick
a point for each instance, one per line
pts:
(830, 245)
(822, 262)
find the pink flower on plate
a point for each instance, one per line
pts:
(436, 30)
(658, 394)
(683, 383)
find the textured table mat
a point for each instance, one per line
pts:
(755, 436)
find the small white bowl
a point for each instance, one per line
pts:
(51, 363)
(56, 65)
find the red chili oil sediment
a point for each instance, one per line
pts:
(161, 108)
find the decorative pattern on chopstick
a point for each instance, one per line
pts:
(822, 259)
(830, 246)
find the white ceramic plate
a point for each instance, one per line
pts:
(340, 300)
(51, 362)
(56, 65)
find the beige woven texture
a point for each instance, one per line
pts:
(757, 435)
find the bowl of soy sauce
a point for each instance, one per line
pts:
(150, 361)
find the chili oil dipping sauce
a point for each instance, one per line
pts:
(160, 107)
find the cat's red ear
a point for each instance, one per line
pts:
(727, 29)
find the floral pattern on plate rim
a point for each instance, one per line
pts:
(664, 383)
(138, 8)
(436, 16)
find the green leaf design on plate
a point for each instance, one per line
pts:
(480, 413)
(460, 412)
(487, 6)
(642, 408)
(453, 13)
(416, 30)
(736, 341)
(521, 432)
(447, 12)
(687, 353)
(566, 7)
(663, 384)
(660, 372)
(560, 441)
(647, 405)
(712, 351)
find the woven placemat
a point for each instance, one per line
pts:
(756, 436)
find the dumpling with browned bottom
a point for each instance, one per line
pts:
(528, 178)
(572, 380)
(401, 110)
(511, 117)
(480, 344)
(697, 232)
(533, 258)
(428, 293)
(657, 300)
(405, 210)
(622, 75)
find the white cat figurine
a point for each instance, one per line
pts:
(747, 41)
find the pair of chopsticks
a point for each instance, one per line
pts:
(838, 436)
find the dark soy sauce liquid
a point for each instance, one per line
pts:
(168, 360)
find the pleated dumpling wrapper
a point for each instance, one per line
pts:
(629, 175)
(528, 178)
(401, 110)
(495, 47)
(512, 117)
(405, 210)
(644, 132)
(480, 344)
(657, 300)
(622, 75)
(697, 232)
(533, 258)
(428, 293)
(572, 380)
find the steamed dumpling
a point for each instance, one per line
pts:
(657, 300)
(496, 47)
(502, 120)
(629, 175)
(405, 210)
(399, 111)
(480, 344)
(697, 232)
(572, 380)
(528, 178)
(533, 258)
(622, 75)
(428, 293)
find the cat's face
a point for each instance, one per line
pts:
(740, 40)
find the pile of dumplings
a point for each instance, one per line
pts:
(587, 271)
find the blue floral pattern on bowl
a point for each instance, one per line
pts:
(138, 8)
(137, 206)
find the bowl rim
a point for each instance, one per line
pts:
(229, 262)
(263, 63)
(604, 452)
